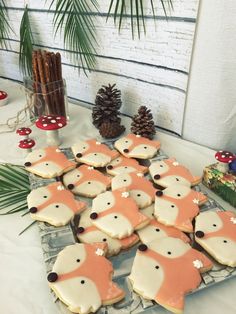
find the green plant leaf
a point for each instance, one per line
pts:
(118, 8)
(26, 44)
(14, 188)
(72, 18)
(5, 27)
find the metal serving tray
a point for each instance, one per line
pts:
(54, 239)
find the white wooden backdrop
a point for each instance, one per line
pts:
(152, 71)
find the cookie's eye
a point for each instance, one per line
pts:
(177, 179)
(95, 154)
(126, 167)
(225, 241)
(126, 141)
(214, 225)
(57, 206)
(115, 217)
(124, 180)
(78, 260)
(46, 164)
(84, 147)
(178, 195)
(157, 230)
(169, 253)
(145, 147)
(172, 206)
(45, 196)
(138, 195)
(104, 240)
(78, 175)
(157, 267)
(82, 282)
(108, 203)
(161, 166)
(40, 156)
(89, 182)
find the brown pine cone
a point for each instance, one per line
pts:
(143, 123)
(111, 130)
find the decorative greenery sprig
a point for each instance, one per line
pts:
(14, 188)
(5, 27)
(119, 10)
(26, 44)
(72, 18)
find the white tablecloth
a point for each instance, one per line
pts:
(23, 284)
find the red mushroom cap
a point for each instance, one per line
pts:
(23, 131)
(224, 156)
(27, 143)
(3, 95)
(50, 122)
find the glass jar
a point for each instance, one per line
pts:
(45, 99)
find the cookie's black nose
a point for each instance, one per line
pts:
(33, 210)
(70, 186)
(199, 234)
(109, 167)
(28, 164)
(80, 230)
(157, 177)
(142, 247)
(159, 193)
(94, 216)
(79, 155)
(52, 277)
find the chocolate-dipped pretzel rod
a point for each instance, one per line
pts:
(47, 75)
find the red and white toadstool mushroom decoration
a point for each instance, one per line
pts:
(51, 124)
(224, 158)
(27, 144)
(24, 132)
(3, 98)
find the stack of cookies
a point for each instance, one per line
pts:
(127, 207)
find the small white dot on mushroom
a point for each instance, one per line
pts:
(60, 125)
(223, 156)
(53, 121)
(44, 125)
(58, 118)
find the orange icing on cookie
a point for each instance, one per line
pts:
(187, 208)
(54, 154)
(178, 170)
(98, 269)
(170, 231)
(61, 196)
(181, 276)
(129, 162)
(99, 148)
(89, 174)
(229, 227)
(139, 140)
(126, 207)
(142, 184)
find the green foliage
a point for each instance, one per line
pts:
(5, 27)
(72, 18)
(120, 8)
(14, 188)
(26, 44)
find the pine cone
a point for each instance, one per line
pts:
(110, 130)
(143, 123)
(107, 105)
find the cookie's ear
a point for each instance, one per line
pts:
(204, 262)
(80, 206)
(114, 154)
(157, 144)
(170, 160)
(129, 241)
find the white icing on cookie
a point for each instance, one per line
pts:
(216, 233)
(124, 165)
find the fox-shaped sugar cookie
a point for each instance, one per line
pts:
(156, 230)
(177, 205)
(136, 146)
(117, 214)
(93, 153)
(124, 165)
(53, 204)
(140, 188)
(215, 231)
(169, 171)
(88, 233)
(48, 162)
(166, 270)
(86, 181)
(82, 278)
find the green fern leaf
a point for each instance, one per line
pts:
(118, 8)
(26, 44)
(72, 18)
(5, 27)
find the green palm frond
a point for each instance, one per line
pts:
(135, 9)
(72, 18)
(5, 27)
(14, 188)
(26, 44)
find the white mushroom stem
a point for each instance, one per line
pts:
(222, 166)
(53, 138)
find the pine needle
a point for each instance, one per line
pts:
(5, 27)
(72, 18)
(26, 44)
